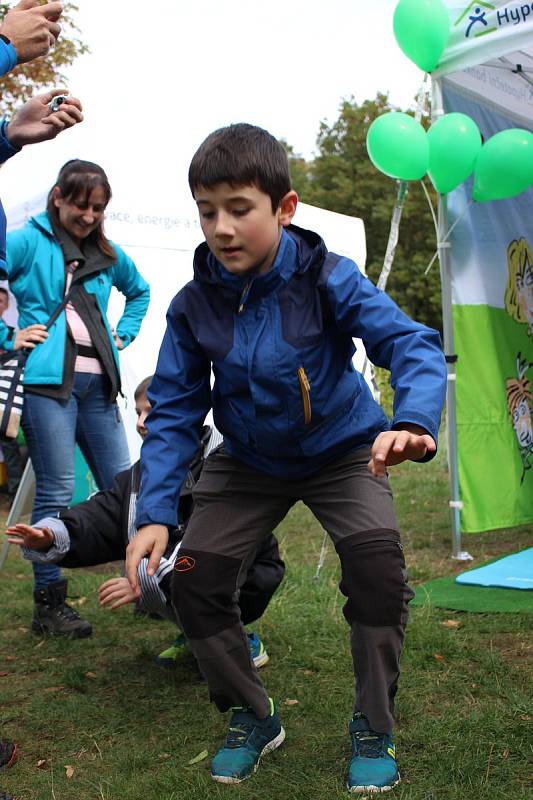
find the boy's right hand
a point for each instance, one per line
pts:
(33, 538)
(152, 541)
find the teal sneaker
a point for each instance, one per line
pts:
(248, 739)
(167, 658)
(259, 655)
(373, 767)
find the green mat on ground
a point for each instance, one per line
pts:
(446, 593)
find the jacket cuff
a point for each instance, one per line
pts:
(8, 57)
(6, 148)
(60, 547)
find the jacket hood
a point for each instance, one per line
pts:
(309, 249)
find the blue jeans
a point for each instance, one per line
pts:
(52, 429)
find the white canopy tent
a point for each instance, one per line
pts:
(489, 61)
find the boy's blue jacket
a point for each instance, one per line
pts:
(35, 269)
(285, 396)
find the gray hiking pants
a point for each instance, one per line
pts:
(236, 507)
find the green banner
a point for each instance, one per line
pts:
(494, 405)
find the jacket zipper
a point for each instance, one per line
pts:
(244, 296)
(305, 387)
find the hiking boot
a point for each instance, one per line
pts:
(248, 739)
(167, 658)
(6, 796)
(259, 655)
(373, 767)
(51, 614)
(8, 754)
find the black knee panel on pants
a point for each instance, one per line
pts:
(203, 589)
(373, 577)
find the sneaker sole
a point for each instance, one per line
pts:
(261, 659)
(272, 745)
(39, 630)
(373, 789)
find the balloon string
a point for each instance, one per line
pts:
(445, 242)
(430, 204)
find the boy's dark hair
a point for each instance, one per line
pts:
(75, 182)
(242, 155)
(142, 388)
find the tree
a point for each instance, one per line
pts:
(342, 178)
(43, 73)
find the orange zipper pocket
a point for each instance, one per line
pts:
(305, 387)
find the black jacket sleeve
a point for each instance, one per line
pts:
(97, 527)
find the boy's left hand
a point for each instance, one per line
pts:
(412, 443)
(116, 592)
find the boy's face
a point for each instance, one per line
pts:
(240, 228)
(142, 409)
(4, 302)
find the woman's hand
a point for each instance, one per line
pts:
(119, 344)
(30, 337)
(116, 592)
(32, 538)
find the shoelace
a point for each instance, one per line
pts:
(237, 735)
(67, 612)
(369, 744)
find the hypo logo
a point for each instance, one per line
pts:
(479, 18)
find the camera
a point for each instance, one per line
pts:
(56, 102)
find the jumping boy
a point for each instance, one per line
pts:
(273, 314)
(98, 530)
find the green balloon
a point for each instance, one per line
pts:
(454, 144)
(422, 28)
(504, 166)
(397, 145)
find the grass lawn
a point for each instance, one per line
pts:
(102, 712)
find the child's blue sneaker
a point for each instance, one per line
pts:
(259, 655)
(248, 739)
(167, 658)
(373, 767)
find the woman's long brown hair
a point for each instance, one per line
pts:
(75, 182)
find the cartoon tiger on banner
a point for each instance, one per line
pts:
(519, 305)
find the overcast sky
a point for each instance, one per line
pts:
(163, 73)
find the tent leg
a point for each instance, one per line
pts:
(458, 554)
(21, 505)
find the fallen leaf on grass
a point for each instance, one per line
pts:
(290, 702)
(4, 674)
(23, 630)
(451, 623)
(525, 717)
(39, 645)
(438, 657)
(91, 675)
(307, 672)
(79, 601)
(200, 757)
(54, 689)
(10, 658)
(41, 764)
(69, 770)
(165, 755)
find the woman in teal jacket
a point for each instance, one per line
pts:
(72, 376)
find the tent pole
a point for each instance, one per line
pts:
(449, 349)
